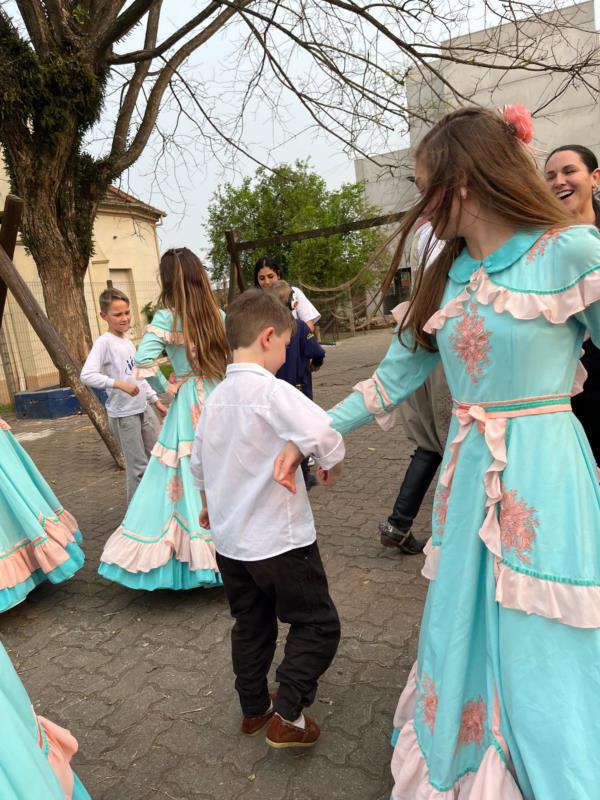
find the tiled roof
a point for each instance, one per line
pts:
(117, 197)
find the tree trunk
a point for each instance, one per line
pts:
(61, 256)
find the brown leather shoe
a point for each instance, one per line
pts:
(281, 734)
(253, 725)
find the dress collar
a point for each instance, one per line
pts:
(505, 256)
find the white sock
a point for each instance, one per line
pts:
(298, 723)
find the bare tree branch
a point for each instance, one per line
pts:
(152, 52)
(139, 76)
(124, 23)
(152, 108)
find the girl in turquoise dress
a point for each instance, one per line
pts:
(34, 752)
(39, 539)
(503, 702)
(159, 544)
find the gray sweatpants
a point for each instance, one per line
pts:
(137, 435)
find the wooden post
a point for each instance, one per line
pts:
(58, 353)
(11, 217)
(235, 271)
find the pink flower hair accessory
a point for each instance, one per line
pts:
(519, 120)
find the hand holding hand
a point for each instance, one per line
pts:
(328, 477)
(161, 408)
(204, 520)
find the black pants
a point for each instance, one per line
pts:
(421, 471)
(291, 587)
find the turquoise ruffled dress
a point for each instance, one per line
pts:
(503, 702)
(34, 752)
(39, 539)
(160, 544)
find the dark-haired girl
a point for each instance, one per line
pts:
(572, 174)
(160, 544)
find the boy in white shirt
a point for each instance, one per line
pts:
(264, 534)
(109, 366)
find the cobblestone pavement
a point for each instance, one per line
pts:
(144, 680)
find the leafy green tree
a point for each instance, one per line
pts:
(292, 199)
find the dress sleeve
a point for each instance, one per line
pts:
(149, 350)
(396, 378)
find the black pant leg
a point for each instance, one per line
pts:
(254, 633)
(417, 480)
(304, 602)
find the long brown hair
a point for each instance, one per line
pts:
(475, 148)
(186, 290)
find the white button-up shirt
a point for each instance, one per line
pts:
(245, 422)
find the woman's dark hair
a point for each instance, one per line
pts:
(590, 162)
(265, 261)
(584, 153)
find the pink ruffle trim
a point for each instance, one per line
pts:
(570, 604)
(492, 781)
(171, 458)
(373, 392)
(171, 337)
(432, 560)
(26, 556)
(556, 307)
(137, 555)
(62, 747)
(4, 426)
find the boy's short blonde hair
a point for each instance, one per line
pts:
(109, 295)
(251, 313)
(283, 291)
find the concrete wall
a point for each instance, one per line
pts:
(572, 118)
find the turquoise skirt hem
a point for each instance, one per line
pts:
(79, 790)
(395, 736)
(172, 575)
(14, 595)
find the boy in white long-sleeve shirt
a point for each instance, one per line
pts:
(109, 366)
(264, 534)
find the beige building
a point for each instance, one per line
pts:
(126, 252)
(571, 116)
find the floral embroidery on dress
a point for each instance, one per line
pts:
(428, 700)
(440, 507)
(471, 342)
(195, 412)
(472, 723)
(539, 248)
(175, 489)
(517, 523)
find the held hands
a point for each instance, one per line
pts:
(285, 466)
(204, 520)
(328, 477)
(161, 408)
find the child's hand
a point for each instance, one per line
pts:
(328, 477)
(129, 388)
(285, 466)
(204, 520)
(161, 408)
